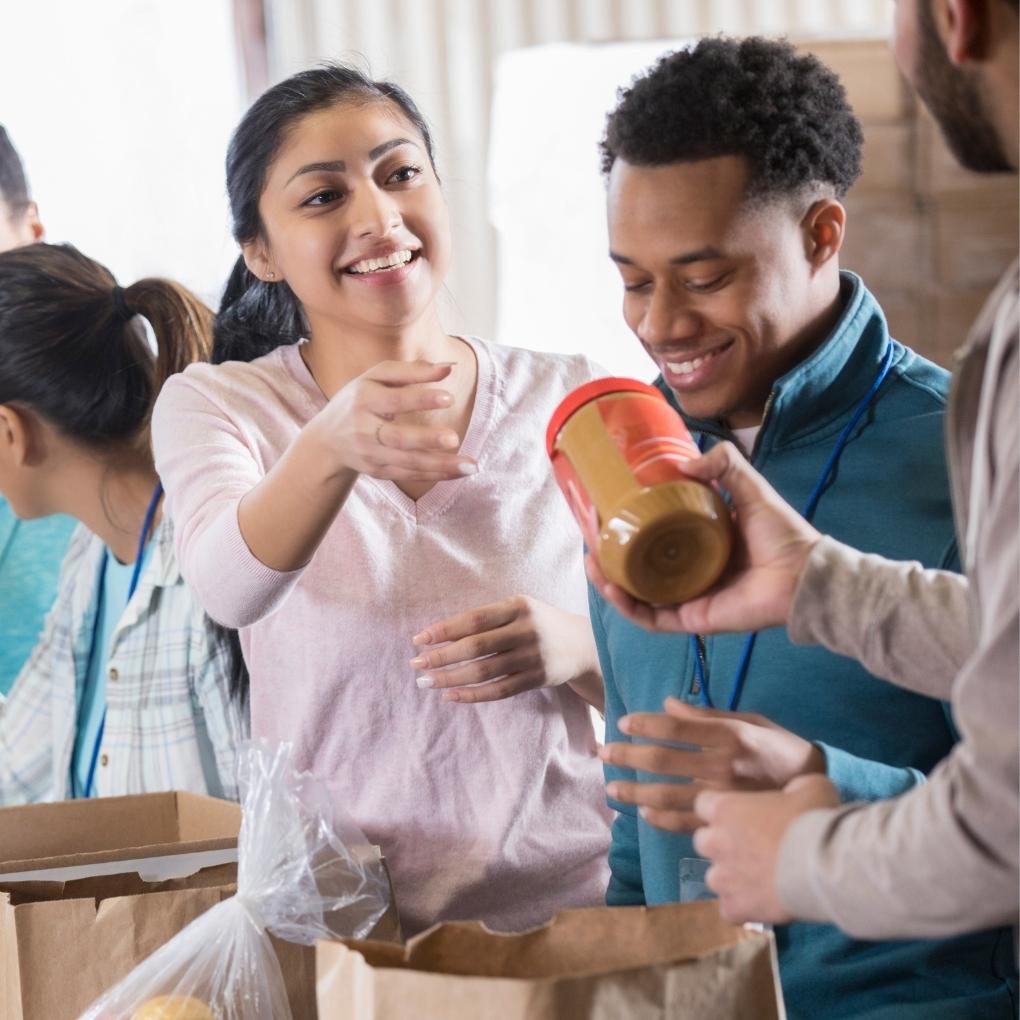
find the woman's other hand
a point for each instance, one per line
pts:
(518, 644)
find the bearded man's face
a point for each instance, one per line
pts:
(953, 94)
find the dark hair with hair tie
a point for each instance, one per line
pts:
(120, 307)
(256, 317)
(70, 352)
(73, 352)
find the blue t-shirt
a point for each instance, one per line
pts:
(30, 556)
(112, 599)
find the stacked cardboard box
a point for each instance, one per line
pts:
(88, 889)
(929, 239)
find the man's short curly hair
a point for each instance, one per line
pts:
(785, 112)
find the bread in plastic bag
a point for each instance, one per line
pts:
(305, 872)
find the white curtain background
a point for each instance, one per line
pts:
(556, 289)
(542, 130)
(121, 111)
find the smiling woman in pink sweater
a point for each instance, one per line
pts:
(367, 498)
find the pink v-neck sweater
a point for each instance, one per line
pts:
(493, 811)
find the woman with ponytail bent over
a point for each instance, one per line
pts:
(368, 499)
(129, 688)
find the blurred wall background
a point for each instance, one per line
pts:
(445, 52)
(928, 238)
(517, 90)
(122, 111)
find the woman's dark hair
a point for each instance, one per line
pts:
(256, 317)
(74, 352)
(783, 111)
(13, 185)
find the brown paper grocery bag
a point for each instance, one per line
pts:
(604, 963)
(63, 943)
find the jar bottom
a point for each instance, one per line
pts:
(668, 543)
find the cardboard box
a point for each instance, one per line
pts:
(82, 838)
(82, 915)
(89, 889)
(63, 944)
(602, 964)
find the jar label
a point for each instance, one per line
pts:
(651, 436)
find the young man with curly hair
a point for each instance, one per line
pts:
(726, 164)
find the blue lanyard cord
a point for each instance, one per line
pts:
(132, 588)
(9, 541)
(808, 513)
(844, 436)
(143, 538)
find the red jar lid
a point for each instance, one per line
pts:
(587, 393)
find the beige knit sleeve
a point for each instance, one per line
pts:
(942, 858)
(902, 622)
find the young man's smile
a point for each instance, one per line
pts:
(693, 370)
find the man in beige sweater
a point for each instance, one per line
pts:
(942, 858)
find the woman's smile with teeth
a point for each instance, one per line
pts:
(386, 262)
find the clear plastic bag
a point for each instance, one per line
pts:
(305, 872)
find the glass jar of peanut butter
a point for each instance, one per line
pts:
(618, 452)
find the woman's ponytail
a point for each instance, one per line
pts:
(73, 349)
(181, 324)
(183, 327)
(254, 317)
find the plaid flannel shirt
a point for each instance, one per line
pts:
(170, 722)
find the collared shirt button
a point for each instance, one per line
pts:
(113, 674)
(104, 760)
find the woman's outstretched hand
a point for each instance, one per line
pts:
(285, 516)
(361, 428)
(771, 547)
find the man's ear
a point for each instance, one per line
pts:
(963, 26)
(824, 227)
(257, 259)
(33, 225)
(17, 445)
